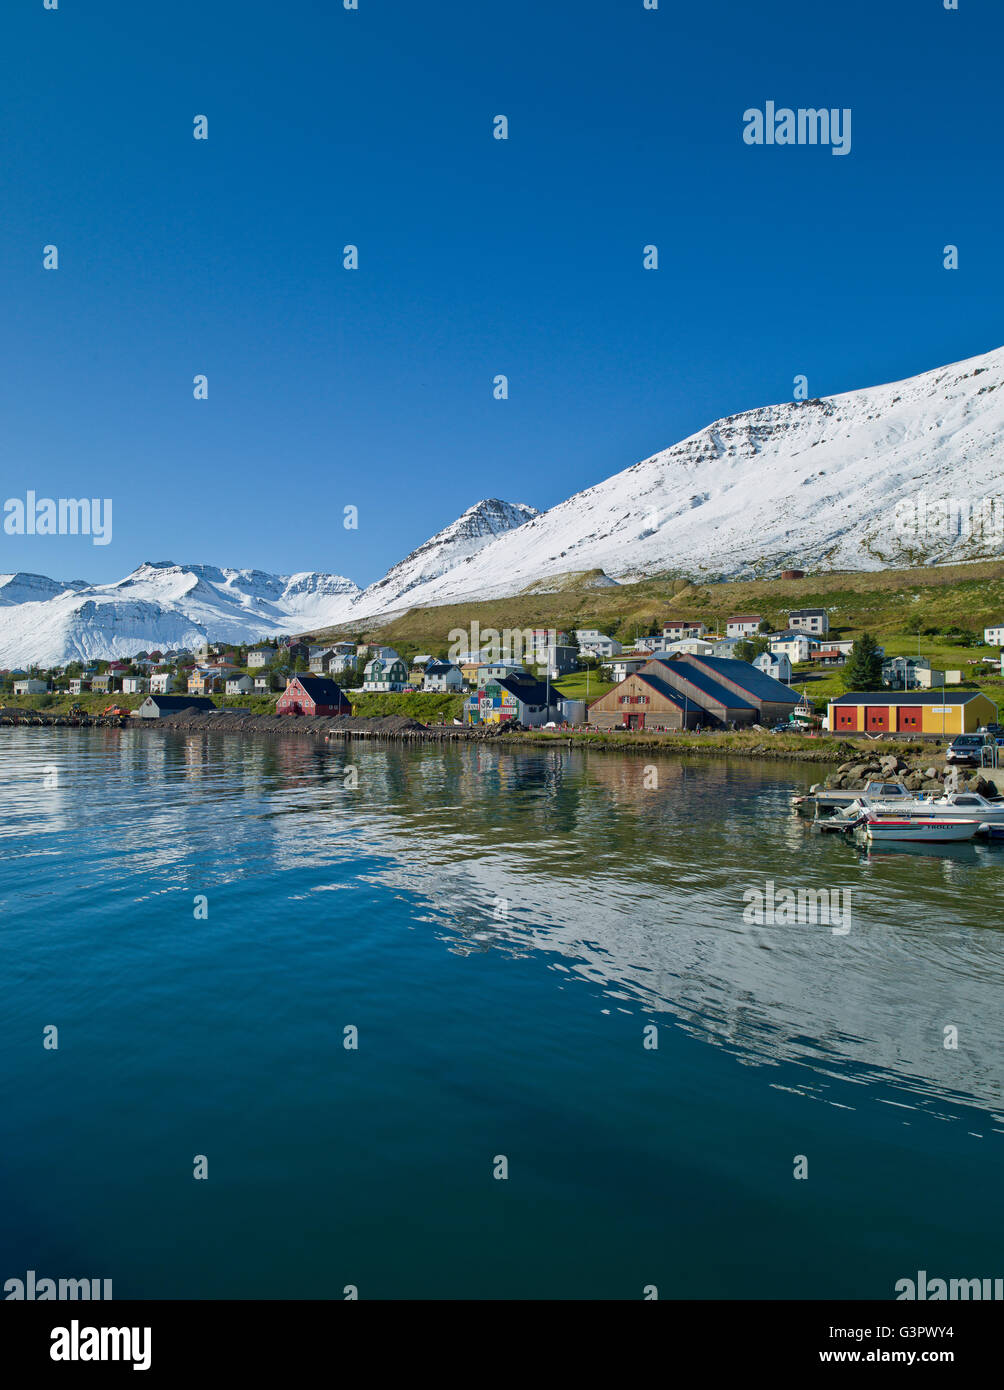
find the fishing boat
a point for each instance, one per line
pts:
(929, 829)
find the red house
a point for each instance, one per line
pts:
(312, 695)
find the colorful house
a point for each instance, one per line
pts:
(519, 699)
(312, 695)
(910, 712)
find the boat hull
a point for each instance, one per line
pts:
(921, 831)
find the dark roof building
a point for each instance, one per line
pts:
(157, 706)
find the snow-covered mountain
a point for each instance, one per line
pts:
(451, 550)
(165, 605)
(160, 605)
(819, 484)
(812, 484)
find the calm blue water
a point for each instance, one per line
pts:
(500, 926)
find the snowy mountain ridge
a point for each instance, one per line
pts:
(834, 483)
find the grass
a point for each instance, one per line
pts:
(574, 686)
(879, 601)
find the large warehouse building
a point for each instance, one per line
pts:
(677, 691)
(911, 712)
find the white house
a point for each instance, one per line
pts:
(815, 621)
(690, 646)
(259, 656)
(796, 646)
(240, 685)
(743, 625)
(341, 661)
(774, 664)
(442, 676)
(994, 636)
(135, 685)
(385, 675)
(592, 642)
(30, 687)
(162, 682)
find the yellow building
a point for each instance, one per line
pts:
(911, 712)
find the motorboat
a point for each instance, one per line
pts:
(950, 806)
(929, 829)
(829, 799)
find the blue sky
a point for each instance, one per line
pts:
(373, 388)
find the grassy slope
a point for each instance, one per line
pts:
(969, 596)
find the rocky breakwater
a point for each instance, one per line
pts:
(917, 773)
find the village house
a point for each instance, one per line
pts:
(259, 657)
(135, 685)
(743, 625)
(342, 661)
(557, 660)
(78, 685)
(910, 673)
(517, 698)
(206, 681)
(319, 659)
(381, 674)
(994, 636)
(157, 706)
(495, 670)
(240, 685)
(30, 686)
(442, 676)
(774, 664)
(676, 628)
(629, 662)
(911, 712)
(312, 695)
(815, 621)
(690, 646)
(827, 656)
(162, 682)
(104, 685)
(592, 642)
(796, 646)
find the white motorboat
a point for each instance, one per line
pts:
(931, 829)
(951, 806)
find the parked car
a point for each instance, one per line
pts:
(996, 729)
(968, 748)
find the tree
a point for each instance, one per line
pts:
(864, 666)
(766, 626)
(750, 648)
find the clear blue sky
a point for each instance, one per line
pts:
(373, 388)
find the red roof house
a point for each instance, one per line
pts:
(312, 695)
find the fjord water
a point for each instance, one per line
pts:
(501, 926)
